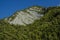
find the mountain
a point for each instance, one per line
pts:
(33, 23)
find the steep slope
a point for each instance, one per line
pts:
(26, 16)
(45, 28)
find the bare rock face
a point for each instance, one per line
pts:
(26, 16)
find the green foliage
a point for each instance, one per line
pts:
(47, 28)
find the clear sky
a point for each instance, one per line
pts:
(8, 7)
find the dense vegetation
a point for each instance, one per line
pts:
(47, 28)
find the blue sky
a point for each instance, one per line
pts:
(8, 7)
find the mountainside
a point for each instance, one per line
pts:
(34, 23)
(26, 16)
